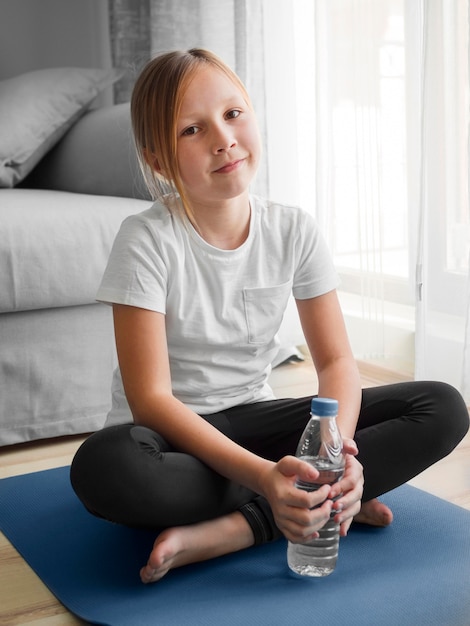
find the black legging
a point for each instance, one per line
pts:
(129, 474)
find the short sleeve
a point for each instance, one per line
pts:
(136, 273)
(315, 273)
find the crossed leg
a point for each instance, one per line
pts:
(402, 429)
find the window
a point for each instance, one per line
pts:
(370, 117)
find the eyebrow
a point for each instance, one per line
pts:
(226, 104)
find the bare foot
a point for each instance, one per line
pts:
(374, 513)
(182, 545)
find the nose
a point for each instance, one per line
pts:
(223, 139)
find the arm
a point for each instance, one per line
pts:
(338, 377)
(143, 360)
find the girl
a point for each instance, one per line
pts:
(196, 446)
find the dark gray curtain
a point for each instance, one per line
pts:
(129, 24)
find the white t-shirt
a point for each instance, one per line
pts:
(223, 308)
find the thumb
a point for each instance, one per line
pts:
(350, 446)
(291, 466)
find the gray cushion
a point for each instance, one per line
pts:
(37, 108)
(96, 156)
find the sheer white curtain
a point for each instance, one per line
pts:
(379, 151)
(442, 346)
(346, 155)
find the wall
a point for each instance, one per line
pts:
(37, 34)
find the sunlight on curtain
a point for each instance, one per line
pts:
(381, 136)
(350, 144)
(361, 176)
(444, 235)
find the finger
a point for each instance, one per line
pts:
(344, 486)
(353, 478)
(294, 536)
(345, 518)
(350, 446)
(348, 505)
(308, 499)
(305, 516)
(291, 466)
(344, 527)
(305, 524)
(345, 502)
(351, 491)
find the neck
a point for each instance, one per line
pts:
(225, 226)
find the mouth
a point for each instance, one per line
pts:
(229, 167)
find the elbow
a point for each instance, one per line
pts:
(150, 410)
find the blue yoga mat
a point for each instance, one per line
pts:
(415, 572)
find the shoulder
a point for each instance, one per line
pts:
(283, 217)
(156, 224)
(272, 208)
(156, 217)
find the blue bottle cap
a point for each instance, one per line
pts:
(324, 407)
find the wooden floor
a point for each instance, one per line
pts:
(25, 600)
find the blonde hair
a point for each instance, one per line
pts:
(155, 106)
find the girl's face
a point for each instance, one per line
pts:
(218, 145)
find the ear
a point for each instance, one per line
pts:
(152, 161)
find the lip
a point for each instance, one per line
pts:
(229, 167)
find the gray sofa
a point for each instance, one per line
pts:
(58, 219)
(68, 177)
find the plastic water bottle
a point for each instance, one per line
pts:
(321, 446)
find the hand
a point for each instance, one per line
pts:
(295, 511)
(351, 486)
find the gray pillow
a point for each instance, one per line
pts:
(96, 156)
(36, 110)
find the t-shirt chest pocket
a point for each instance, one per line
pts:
(264, 309)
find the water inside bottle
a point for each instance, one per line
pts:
(318, 557)
(329, 475)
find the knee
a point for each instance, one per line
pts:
(453, 412)
(101, 462)
(115, 468)
(91, 465)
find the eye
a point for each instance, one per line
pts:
(232, 114)
(191, 130)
